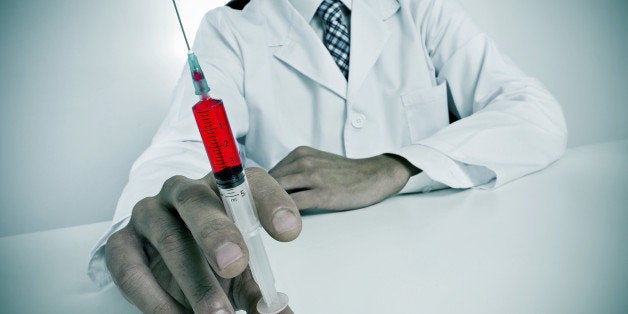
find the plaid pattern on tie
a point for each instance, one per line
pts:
(336, 33)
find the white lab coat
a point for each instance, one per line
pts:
(411, 62)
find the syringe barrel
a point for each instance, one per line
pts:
(241, 209)
(219, 142)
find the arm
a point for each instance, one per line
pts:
(510, 126)
(176, 149)
(171, 246)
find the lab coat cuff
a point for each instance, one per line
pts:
(442, 169)
(421, 183)
(97, 268)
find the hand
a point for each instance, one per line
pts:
(181, 252)
(317, 179)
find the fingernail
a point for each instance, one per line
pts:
(284, 221)
(221, 311)
(227, 254)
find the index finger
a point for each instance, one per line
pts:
(276, 210)
(295, 154)
(129, 270)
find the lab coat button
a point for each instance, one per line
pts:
(358, 121)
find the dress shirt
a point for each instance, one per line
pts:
(307, 9)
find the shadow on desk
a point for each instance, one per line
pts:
(433, 194)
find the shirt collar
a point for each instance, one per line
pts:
(307, 8)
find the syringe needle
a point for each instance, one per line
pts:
(181, 24)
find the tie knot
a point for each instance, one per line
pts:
(329, 11)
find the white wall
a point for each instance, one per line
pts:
(578, 48)
(84, 85)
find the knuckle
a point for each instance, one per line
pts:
(171, 240)
(193, 192)
(144, 203)
(142, 206)
(204, 297)
(257, 177)
(127, 276)
(316, 178)
(116, 239)
(307, 162)
(307, 200)
(214, 230)
(283, 181)
(172, 182)
(301, 150)
(163, 307)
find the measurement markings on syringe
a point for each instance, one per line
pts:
(209, 128)
(234, 195)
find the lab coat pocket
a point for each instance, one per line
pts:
(425, 111)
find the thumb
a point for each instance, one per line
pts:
(276, 210)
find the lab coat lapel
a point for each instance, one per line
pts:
(302, 50)
(369, 34)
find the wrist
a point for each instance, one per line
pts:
(398, 167)
(403, 164)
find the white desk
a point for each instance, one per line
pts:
(552, 242)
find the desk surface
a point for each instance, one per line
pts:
(552, 242)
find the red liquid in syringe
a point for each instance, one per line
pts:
(220, 145)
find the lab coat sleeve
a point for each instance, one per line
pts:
(177, 149)
(510, 124)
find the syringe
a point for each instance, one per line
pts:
(222, 151)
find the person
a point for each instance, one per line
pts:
(345, 103)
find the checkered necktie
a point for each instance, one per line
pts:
(336, 33)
